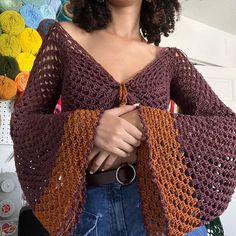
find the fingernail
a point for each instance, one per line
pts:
(137, 104)
(90, 172)
(102, 170)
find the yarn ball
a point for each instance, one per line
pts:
(9, 67)
(10, 5)
(55, 4)
(30, 40)
(61, 15)
(25, 61)
(12, 22)
(8, 88)
(36, 3)
(9, 45)
(32, 15)
(21, 80)
(68, 9)
(47, 12)
(44, 26)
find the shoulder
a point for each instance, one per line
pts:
(73, 30)
(176, 52)
(177, 56)
(178, 60)
(68, 26)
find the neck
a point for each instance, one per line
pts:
(125, 20)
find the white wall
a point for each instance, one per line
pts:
(202, 42)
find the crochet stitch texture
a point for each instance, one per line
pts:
(186, 167)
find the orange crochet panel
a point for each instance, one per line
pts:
(168, 172)
(193, 181)
(66, 188)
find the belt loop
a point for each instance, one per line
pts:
(123, 94)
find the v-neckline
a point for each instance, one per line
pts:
(92, 58)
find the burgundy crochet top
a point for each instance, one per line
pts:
(186, 167)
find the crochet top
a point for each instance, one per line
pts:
(186, 167)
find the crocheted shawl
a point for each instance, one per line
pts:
(186, 165)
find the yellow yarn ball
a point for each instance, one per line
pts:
(12, 22)
(25, 61)
(30, 40)
(9, 45)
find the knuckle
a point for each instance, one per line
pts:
(130, 149)
(125, 154)
(140, 135)
(120, 123)
(111, 140)
(106, 166)
(117, 131)
(137, 143)
(95, 165)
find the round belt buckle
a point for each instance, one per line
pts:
(122, 166)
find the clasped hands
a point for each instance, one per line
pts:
(118, 135)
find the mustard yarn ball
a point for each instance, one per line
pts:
(25, 61)
(9, 45)
(8, 88)
(12, 22)
(30, 40)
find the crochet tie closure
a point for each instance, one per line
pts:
(123, 94)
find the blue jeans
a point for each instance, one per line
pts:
(114, 210)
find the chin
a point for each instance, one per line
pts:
(123, 3)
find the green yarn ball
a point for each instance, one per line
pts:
(10, 5)
(9, 67)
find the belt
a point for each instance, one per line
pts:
(124, 174)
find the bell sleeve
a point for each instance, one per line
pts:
(187, 167)
(51, 150)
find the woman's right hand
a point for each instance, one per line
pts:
(116, 135)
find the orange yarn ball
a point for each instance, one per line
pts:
(8, 88)
(21, 81)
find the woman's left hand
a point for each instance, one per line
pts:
(100, 159)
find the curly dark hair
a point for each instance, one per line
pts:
(157, 17)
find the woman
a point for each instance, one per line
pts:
(104, 165)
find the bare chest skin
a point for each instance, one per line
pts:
(121, 58)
